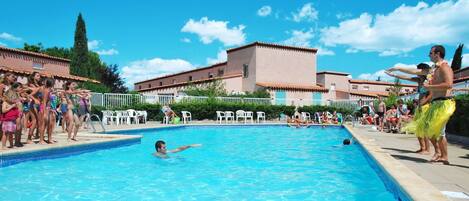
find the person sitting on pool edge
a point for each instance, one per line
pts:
(160, 147)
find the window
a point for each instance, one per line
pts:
(149, 85)
(221, 72)
(210, 75)
(37, 65)
(354, 86)
(161, 83)
(407, 90)
(190, 78)
(139, 86)
(387, 89)
(245, 70)
(174, 81)
(332, 86)
(366, 88)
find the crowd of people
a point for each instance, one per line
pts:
(319, 118)
(36, 107)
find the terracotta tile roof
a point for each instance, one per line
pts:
(180, 73)
(379, 83)
(257, 43)
(461, 79)
(374, 94)
(191, 82)
(292, 86)
(332, 72)
(462, 69)
(69, 77)
(33, 53)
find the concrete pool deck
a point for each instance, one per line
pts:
(401, 147)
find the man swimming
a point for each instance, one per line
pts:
(162, 152)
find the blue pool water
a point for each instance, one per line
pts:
(234, 163)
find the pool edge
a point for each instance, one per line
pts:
(414, 186)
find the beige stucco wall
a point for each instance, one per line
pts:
(236, 60)
(377, 88)
(233, 85)
(280, 65)
(341, 83)
(24, 62)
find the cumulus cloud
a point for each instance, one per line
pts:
(221, 57)
(156, 67)
(210, 30)
(186, 40)
(341, 16)
(300, 38)
(402, 30)
(264, 11)
(9, 37)
(108, 52)
(94, 44)
(325, 52)
(465, 60)
(383, 76)
(374, 76)
(307, 13)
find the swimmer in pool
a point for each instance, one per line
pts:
(161, 152)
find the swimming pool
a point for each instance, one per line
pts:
(234, 163)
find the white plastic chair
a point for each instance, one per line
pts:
(143, 115)
(220, 116)
(260, 115)
(124, 116)
(186, 116)
(166, 119)
(228, 115)
(318, 117)
(306, 116)
(116, 117)
(107, 117)
(249, 115)
(240, 114)
(132, 114)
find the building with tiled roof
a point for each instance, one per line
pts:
(23, 63)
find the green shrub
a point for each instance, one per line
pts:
(460, 119)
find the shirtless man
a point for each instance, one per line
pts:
(161, 152)
(381, 112)
(442, 104)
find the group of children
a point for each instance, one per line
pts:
(36, 107)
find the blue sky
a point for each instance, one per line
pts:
(152, 38)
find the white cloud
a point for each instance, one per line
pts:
(404, 29)
(221, 57)
(264, 11)
(210, 30)
(306, 13)
(341, 16)
(109, 52)
(3, 44)
(152, 68)
(300, 38)
(465, 60)
(186, 40)
(351, 50)
(374, 76)
(9, 37)
(325, 52)
(94, 44)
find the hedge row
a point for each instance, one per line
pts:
(460, 119)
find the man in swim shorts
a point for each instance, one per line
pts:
(442, 105)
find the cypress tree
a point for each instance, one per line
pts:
(457, 58)
(79, 62)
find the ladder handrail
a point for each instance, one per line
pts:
(99, 120)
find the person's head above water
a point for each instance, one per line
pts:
(160, 146)
(346, 142)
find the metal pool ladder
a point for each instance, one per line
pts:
(89, 122)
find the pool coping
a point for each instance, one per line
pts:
(105, 141)
(413, 185)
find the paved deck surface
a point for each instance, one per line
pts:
(454, 177)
